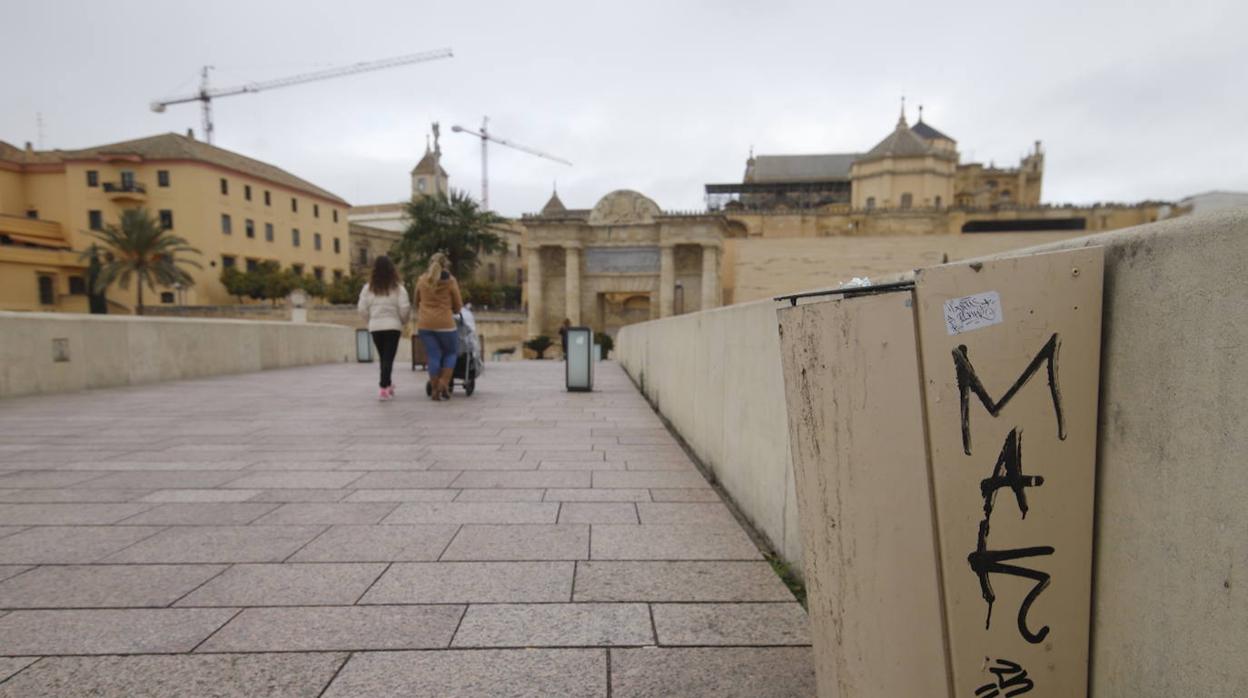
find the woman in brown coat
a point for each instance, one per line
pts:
(437, 301)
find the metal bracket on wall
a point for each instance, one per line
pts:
(850, 292)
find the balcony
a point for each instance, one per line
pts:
(125, 191)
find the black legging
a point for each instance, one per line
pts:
(387, 342)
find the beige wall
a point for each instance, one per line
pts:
(885, 180)
(765, 268)
(1169, 599)
(195, 200)
(107, 350)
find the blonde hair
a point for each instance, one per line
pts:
(438, 263)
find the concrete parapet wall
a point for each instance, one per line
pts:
(1169, 586)
(715, 376)
(107, 350)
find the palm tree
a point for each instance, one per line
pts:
(138, 246)
(454, 224)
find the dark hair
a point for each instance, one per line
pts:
(384, 277)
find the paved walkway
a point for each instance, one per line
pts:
(283, 533)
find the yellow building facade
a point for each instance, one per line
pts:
(236, 210)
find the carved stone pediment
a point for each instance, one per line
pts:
(624, 207)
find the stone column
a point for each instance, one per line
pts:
(572, 281)
(533, 283)
(667, 278)
(710, 277)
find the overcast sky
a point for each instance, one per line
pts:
(1133, 99)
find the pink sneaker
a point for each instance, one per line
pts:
(391, 389)
(384, 395)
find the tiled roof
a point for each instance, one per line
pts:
(800, 168)
(902, 142)
(429, 165)
(173, 146)
(555, 205)
(927, 132)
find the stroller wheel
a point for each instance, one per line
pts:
(470, 386)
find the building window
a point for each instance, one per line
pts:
(316, 210)
(77, 286)
(519, 277)
(337, 275)
(253, 264)
(363, 254)
(297, 268)
(493, 273)
(162, 178)
(870, 202)
(268, 198)
(337, 245)
(420, 184)
(47, 290)
(319, 273)
(166, 219)
(250, 226)
(294, 205)
(93, 178)
(225, 223)
(268, 232)
(316, 241)
(938, 201)
(247, 192)
(228, 261)
(95, 220)
(294, 236)
(166, 297)
(907, 200)
(32, 213)
(225, 186)
(335, 215)
(127, 180)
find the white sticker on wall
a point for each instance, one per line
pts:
(972, 312)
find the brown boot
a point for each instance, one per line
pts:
(435, 388)
(445, 377)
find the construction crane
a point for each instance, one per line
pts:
(205, 95)
(486, 137)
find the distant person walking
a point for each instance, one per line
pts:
(437, 301)
(563, 336)
(384, 302)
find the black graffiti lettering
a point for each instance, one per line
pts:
(1016, 684)
(986, 562)
(969, 382)
(1008, 472)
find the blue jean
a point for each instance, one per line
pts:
(441, 349)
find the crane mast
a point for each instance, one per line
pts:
(486, 137)
(206, 94)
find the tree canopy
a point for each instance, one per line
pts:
(454, 224)
(138, 246)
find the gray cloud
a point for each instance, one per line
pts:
(1133, 101)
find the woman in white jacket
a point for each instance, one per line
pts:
(384, 302)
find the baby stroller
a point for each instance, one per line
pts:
(468, 365)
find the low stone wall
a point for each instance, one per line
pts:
(499, 329)
(1169, 599)
(62, 352)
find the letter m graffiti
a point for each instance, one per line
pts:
(969, 382)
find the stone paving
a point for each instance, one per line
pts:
(284, 533)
